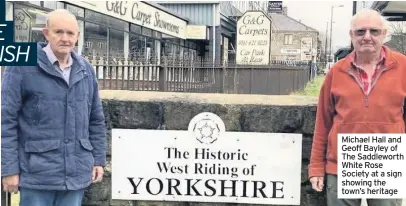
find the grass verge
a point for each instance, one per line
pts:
(312, 88)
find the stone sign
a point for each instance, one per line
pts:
(253, 38)
(206, 164)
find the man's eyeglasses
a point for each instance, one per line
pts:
(362, 32)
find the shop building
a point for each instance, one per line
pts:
(293, 40)
(113, 29)
(395, 13)
(392, 10)
(244, 6)
(290, 39)
(218, 18)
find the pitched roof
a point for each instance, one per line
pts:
(285, 23)
(228, 9)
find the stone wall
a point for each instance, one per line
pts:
(243, 113)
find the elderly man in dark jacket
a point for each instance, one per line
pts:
(52, 123)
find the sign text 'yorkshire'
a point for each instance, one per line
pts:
(206, 164)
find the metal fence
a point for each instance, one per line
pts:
(203, 76)
(169, 74)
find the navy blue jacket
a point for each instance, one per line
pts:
(52, 133)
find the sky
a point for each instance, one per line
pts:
(316, 14)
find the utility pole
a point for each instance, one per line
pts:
(331, 31)
(325, 43)
(354, 11)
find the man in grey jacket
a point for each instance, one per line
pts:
(52, 123)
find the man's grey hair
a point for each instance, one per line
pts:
(53, 13)
(370, 12)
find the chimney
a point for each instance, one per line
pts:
(285, 10)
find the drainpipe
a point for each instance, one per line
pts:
(214, 33)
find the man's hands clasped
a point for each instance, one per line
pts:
(97, 174)
(10, 183)
(317, 183)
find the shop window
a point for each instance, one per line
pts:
(95, 17)
(80, 44)
(168, 48)
(178, 52)
(118, 24)
(97, 36)
(172, 51)
(175, 40)
(147, 32)
(192, 45)
(172, 47)
(144, 48)
(158, 51)
(105, 20)
(53, 5)
(78, 12)
(137, 46)
(157, 35)
(150, 49)
(186, 54)
(28, 24)
(116, 44)
(135, 29)
(192, 54)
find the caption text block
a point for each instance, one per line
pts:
(371, 166)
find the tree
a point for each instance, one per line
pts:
(398, 36)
